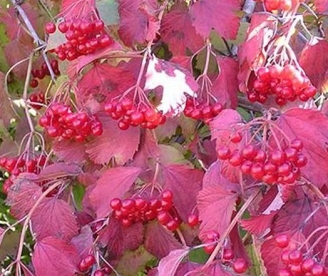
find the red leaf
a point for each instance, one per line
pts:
(53, 257)
(114, 182)
(178, 32)
(7, 112)
(84, 241)
(71, 9)
(59, 170)
(310, 127)
(212, 14)
(169, 264)
(138, 23)
(22, 197)
(214, 268)
(70, 151)
(258, 225)
(316, 71)
(225, 87)
(103, 81)
(119, 238)
(114, 143)
(54, 217)
(159, 241)
(216, 201)
(185, 183)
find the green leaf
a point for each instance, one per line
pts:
(198, 256)
(78, 192)
(108, 11)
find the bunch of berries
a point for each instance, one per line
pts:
(201, 110)
(283, 83)
(298, 263)
(131, 210)
(270, 165)
(17, 165)
(60, 121)
(128, 114)
(84, 37)
(43, 71)
(283, 5)
(37, 99)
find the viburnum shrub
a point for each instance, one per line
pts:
(162, 137)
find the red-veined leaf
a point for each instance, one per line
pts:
(54, 217)
(53, 257)
(170, 263)
(212, 14)
(113, 183)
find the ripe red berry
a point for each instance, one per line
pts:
(318, 270)
(295, 257)
(167, 196)
(87, 262)
(172, 225)
(282, 241)
(164, 217)
(223, 152)
(236, 137)
(307, 265)
(228, 254)
(240, 265)
(98, 273)
(209, 248)
(116, 204)
(193, 220)
(284, 272)
(50, 28)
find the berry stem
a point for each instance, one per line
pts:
(231, 226)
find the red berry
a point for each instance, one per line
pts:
(282, 241)
(172, 225)
(296, 144)
(193, 220)
(223, 152)
(236, 137)
(318, 270)
(307, 265)
(98, 273)
(50, 28)
(249, 152)
(228, 254)
(235, 159)
(277, 157)
(295, 257)
(128, 204)
(239, 265)
(167, 196)
(284, 272)
(209, 248)
(164, 217)
(87, 262)
(115, 204)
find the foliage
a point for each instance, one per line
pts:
(163, 137)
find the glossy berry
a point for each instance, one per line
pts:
(98, 273)
(87, 262)
(50, 28)
(193, 220)
(282, 241)
(295, 257)
(240, 265)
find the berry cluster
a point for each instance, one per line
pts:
(37, 99)
(239, 265)
(269, 165)
(284, 83)
(201, 111)
(60, 121)
(17, 165)
(193, 220)
(131, 210)
(43, 71)
(84, 36)
(296, 262)
(129, 114)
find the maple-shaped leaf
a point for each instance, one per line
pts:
(114, 143)
(185, 183)
(138, 21)
(310, 127)
(70, 151)
(175, 81)
(216, 201)
(159, 241)
(119, 238)
(315, 64)
(53, 257)
(225, 87)
(170, 263)
(103, 81)
(113, 183)
(178, 32)
(212, 14)
(22, 196)
(54, 217)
